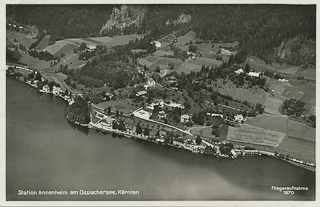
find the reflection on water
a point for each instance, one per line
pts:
(47, 152)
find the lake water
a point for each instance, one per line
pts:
(46, 152)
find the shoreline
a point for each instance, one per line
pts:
(242, 152)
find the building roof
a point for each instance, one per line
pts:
(157, 44)
(185, 116)
(238, 117)
(254, 74)
(141, 93)
(240, 70)
(91, 47)
(172, 77)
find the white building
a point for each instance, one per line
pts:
(215, 115)
(45, 89)
(185, 118)
(238, 118)
(141, 93)
(174, 105)
(157, 44)
(283, 80)
(56, 90)
(150, 83)
(239, 71)
(91, 47)
(254, 74)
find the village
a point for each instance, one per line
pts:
(173, 104)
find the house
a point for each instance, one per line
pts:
(283, 80)
(157, 44)
(185, 118)
(45, 89)
(143, 113)
(141, 93)
(174, 105)
(172, 79)
(225, 51)
(91, 47)
(238, 118)
(71, 102)
(239, 71)
(254, 74)
(157, 102)
(109, 95)
(162, 115)
(56, 90)
(215, 115)
(150, 83)
(162, 134)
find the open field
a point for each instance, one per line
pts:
(255, 135)
(297, 148)
(301, 131)
(271, 122)
(186, 38)
(277, 86)
(34, 63)
(43, 43)
(179, 66)
(309, 73)
(206, 61)
(67, 50)
(108, 41)
(272, 105)
(61, 46)
(163, 62)
(93, 41)
(60, 77)
(71, 60)
(252, 95)
(161, 52)
(24, 40)
(259, 65)
(187, 67)
(305, 92)
(204, 132)
(292, 70)
(123, 105)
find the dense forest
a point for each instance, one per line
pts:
(116, 75)
(62, 21)
(259, 28)
(79, 111)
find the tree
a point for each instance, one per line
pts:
(198, 140)
(247, 68)
(122, 126)
(158, 69)
(193, 48)
(146, 132)
(109, 110)
(312, 118)
(115, 125)
(83, 46)
(138, 129)
(231, 60)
